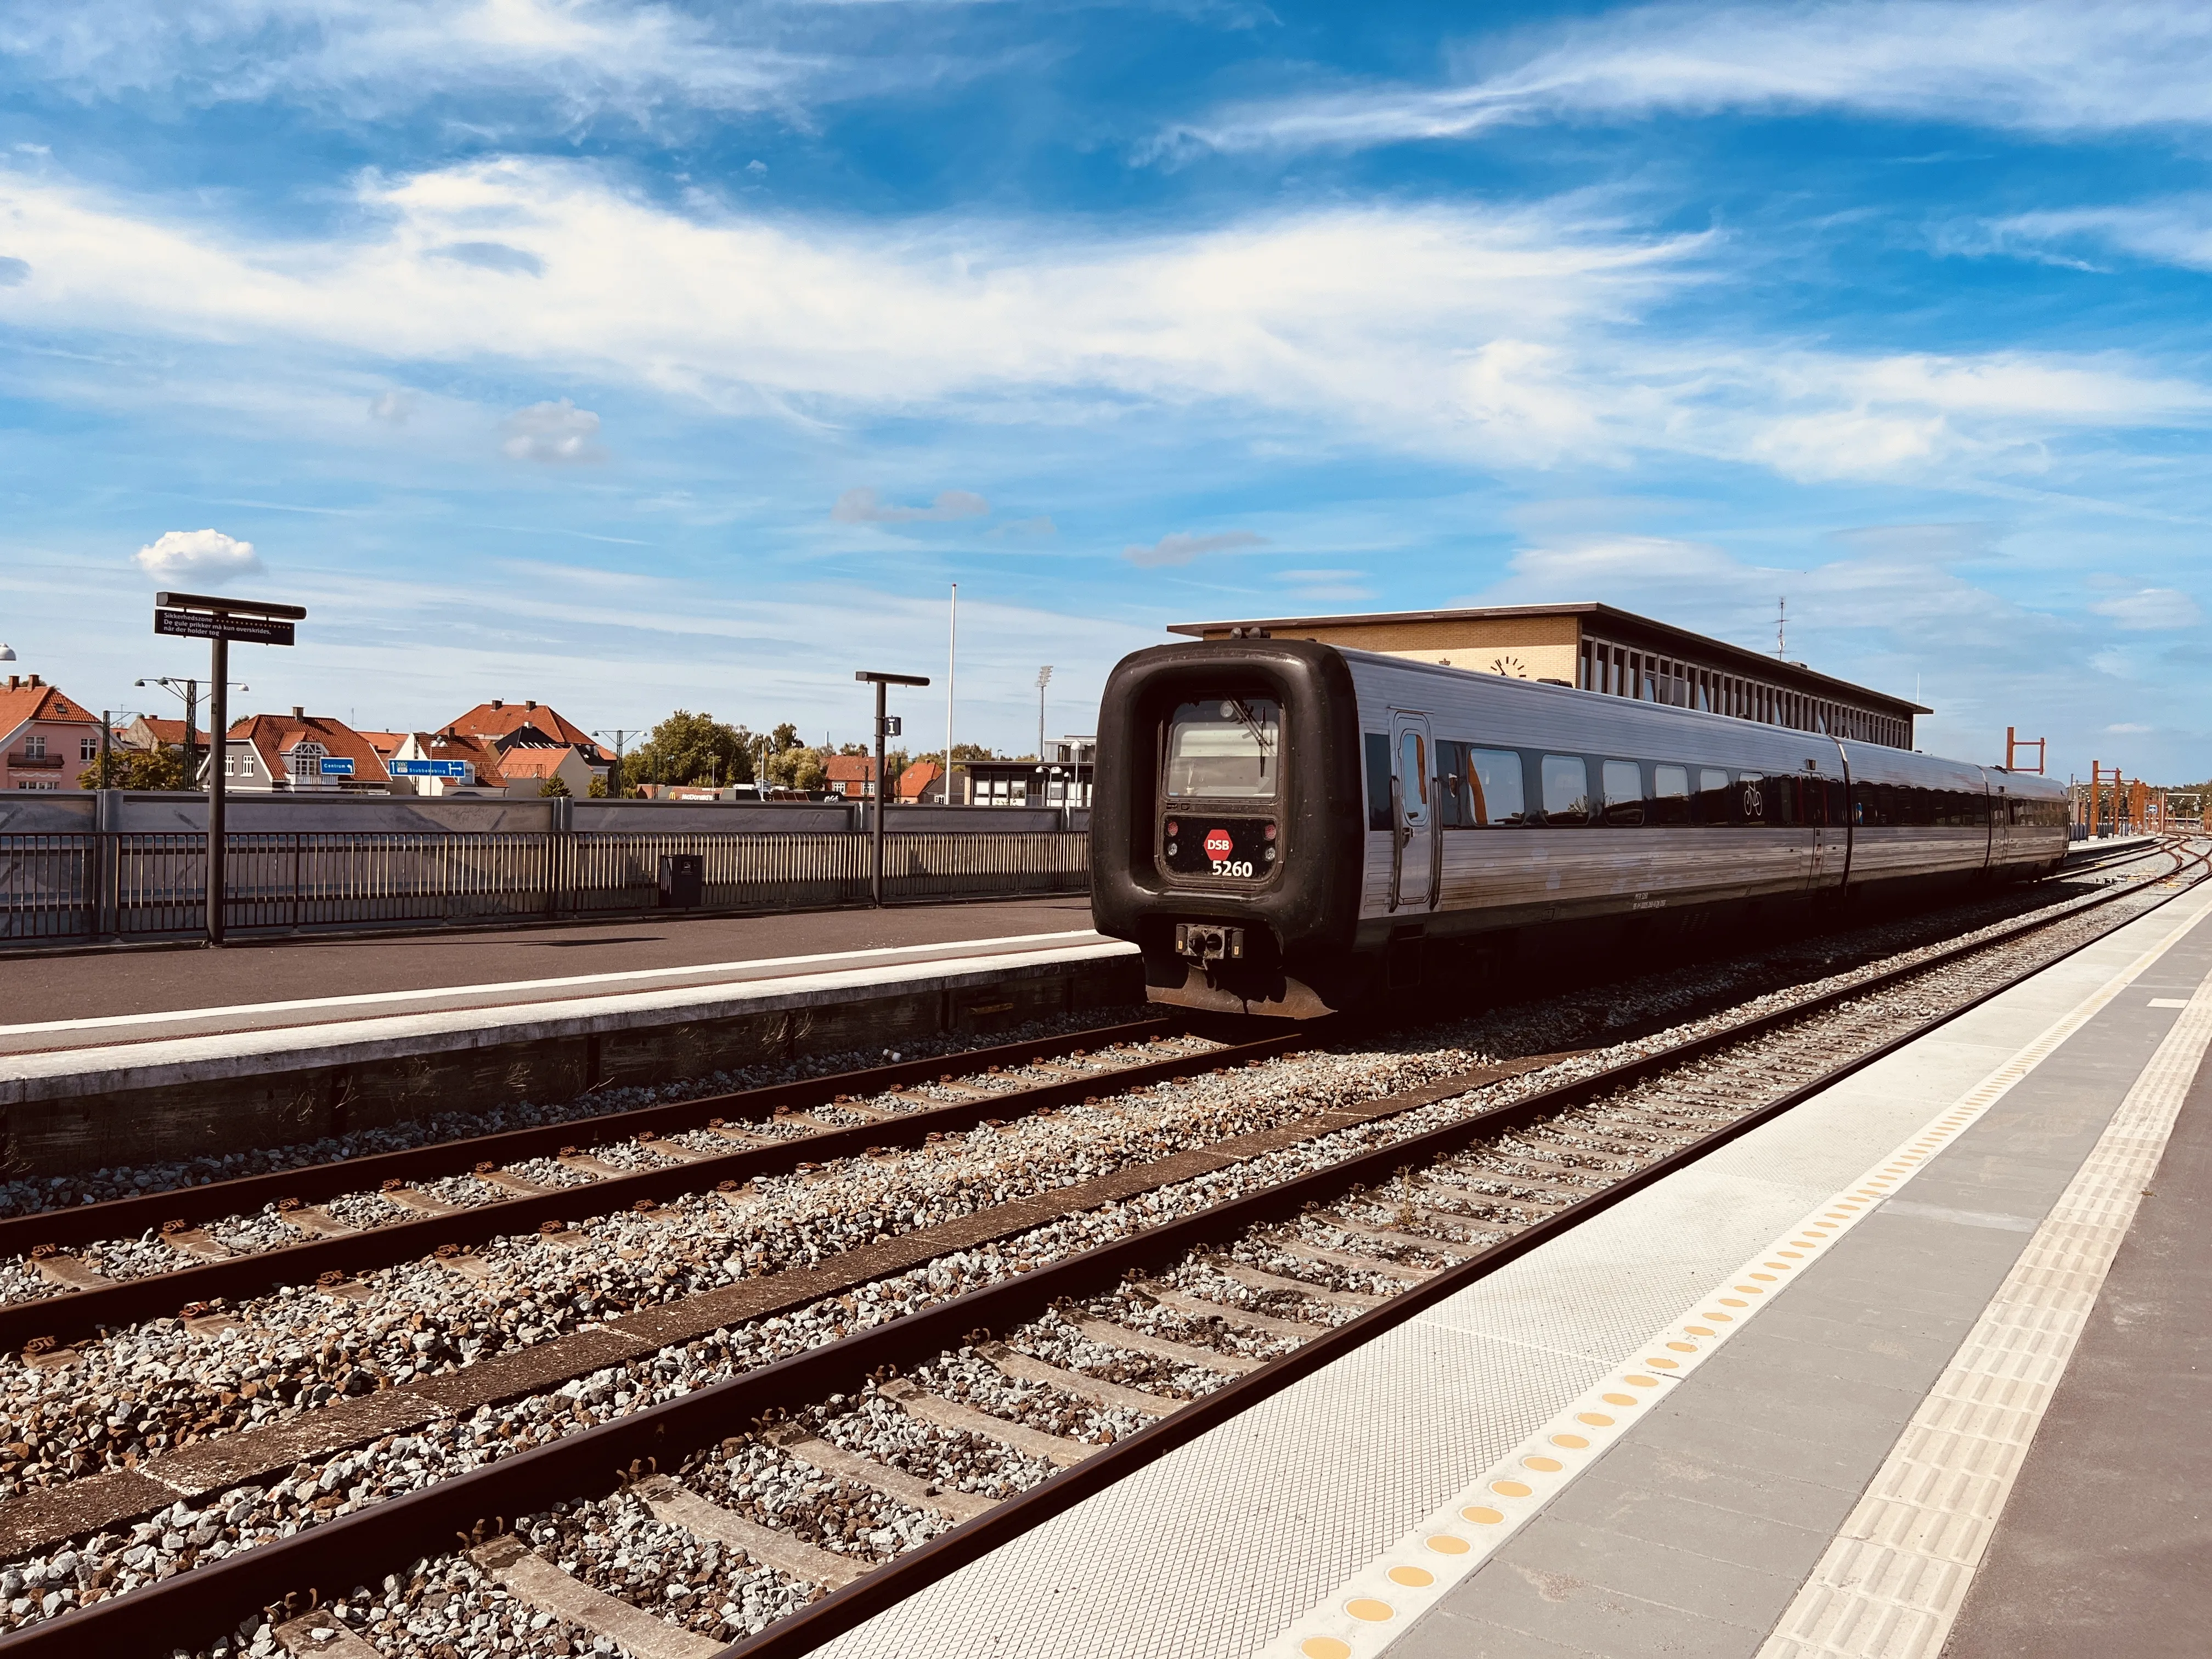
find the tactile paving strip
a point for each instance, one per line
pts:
(1361, 1617)
(1894, 1579)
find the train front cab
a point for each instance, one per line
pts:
(1227, 826)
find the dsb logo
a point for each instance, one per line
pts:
(1217, 844)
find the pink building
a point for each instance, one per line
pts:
(46, 740)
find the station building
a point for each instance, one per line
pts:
(1599, 648)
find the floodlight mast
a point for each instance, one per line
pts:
(881, 680)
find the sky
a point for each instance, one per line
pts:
(635, 356)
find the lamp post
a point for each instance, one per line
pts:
(621, 737)
(1044, 678)
(884, 726)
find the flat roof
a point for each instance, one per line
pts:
(1685, 642)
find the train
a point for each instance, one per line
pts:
(1290, 829)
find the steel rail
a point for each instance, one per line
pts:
(122, 1217)
(71, 1314)
(363, 1546)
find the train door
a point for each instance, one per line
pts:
(1826, 817)
(1413, 791)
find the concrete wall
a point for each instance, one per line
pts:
(27, 812)
(130, 1112)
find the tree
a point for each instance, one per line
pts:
(785, 736)
(599, 786)
(137, 768)
(797, 768)
(689, 748)
(974, 751)
(553, 785)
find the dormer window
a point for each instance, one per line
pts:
(307, 759)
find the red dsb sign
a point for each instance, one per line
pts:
(1217, 844)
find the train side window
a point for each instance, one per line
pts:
(1713, 795)
(1566, 789)
(1670, 794)
(1454, 810)
(1624, 793)
(1378, 781)
(1782, 799)
(1414, 776)
(1493, 777)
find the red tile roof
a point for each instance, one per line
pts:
(386, 744)
(274, 735)
(172, 733)
(496, 719)
(849, 769)
(540, 764)
(491, 768)
(917, 778)
(29, 698)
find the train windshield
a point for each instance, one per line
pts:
(1229, 747)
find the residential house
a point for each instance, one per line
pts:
(531, 724)
(386, 745)
(852, 777)
(300, 753)
(924, 780)
(46, 740)
(1063, 780)
(527, 768)
(152, 735)
(445, 763)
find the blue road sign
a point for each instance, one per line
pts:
(337, 766)
(428, 769)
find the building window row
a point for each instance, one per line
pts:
(1619, 671)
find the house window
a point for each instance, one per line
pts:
(87, 748)
(306, 761)
(34, 748)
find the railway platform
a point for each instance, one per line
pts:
(119, 1056)
(1913, 1369)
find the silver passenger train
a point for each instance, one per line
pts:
(1287, 828)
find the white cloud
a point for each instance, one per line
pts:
(2151, 609)
(2128, 727)
(1518, 338)
(557, 433)
(863, 506)
(179, 554)
(391, 407)
(14, 272)
(2178, 232)
(1181, 549)
(2038, 66)
(653, 65)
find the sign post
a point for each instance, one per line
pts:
(884, 726)
(200, 617)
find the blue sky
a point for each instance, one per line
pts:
(630, 356)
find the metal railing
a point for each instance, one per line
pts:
(133, 884)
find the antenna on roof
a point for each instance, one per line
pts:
(1782, 628)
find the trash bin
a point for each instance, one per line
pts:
(682, 881)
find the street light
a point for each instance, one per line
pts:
(1044, 678)
(621, 736)
(884, 726)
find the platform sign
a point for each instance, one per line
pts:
(219, 625)
(428, 769)
(336, 766)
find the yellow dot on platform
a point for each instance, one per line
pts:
(1596, 1419)
(1413, 1577)
(1445, 1544)
(1641, 1382)
(1662, 1363)
(1571, 1442)
(1510, 1488)
(1683, 1347)
(1764, 1279)
(1367, 1607)
(1482, 1516)
(1697, 1330)
(1542, 1465)
(1724, 1319)
(1730, 1301)
(1795, 1256)
(1325, 1647)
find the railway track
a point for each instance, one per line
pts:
(1120, 1317)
